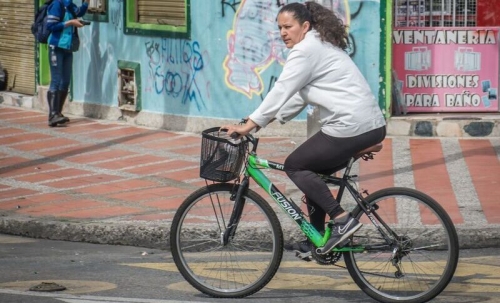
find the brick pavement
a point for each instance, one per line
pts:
(76, 182)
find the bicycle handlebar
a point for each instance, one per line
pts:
(249, 137)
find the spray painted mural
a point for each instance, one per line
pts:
(254, 43)
(226, 68)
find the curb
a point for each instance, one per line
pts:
(154, 235)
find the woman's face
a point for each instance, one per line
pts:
(290, 30)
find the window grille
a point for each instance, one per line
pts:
(434, 13)
(170, 12)
(165, 18)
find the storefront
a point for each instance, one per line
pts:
(17, 45)
(445, 56)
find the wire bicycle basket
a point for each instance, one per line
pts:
(221, 156)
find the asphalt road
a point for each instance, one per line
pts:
(103, 273)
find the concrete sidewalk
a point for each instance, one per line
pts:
(109, 182)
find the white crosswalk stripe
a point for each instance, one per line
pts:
(88, 299)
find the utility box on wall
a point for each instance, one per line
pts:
(129, 86)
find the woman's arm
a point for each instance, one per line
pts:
(54, 21)
(291, 108)
(79, 11)
(296, 75)
(82, 10)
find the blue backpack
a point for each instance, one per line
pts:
(39, 27)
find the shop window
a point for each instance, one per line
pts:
(431, 13)
(166, 18)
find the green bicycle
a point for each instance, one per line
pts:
(227, 241)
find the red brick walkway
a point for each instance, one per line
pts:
(101, 170)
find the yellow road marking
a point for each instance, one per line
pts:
(469, 277)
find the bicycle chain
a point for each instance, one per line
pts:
(328, 259)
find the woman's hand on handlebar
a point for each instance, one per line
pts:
(238, 131)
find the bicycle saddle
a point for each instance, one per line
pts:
(372, 149)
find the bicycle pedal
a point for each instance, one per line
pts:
(344, 243)
(306, 256)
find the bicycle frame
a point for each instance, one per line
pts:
(253, 166)
(253, 170)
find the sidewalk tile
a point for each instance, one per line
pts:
(16, 192)
(45, 144)
(101, 155)
(431, 177)
(22, 138)
(60, 208)
(119, 164)
(484, 168)
(103, 212)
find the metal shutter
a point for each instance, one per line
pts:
(17, 45)
(171, 12)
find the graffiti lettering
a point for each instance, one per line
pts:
(231, 4)
(173, 67)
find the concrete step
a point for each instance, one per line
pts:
(414, 125)
(445, 125)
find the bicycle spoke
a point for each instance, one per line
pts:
(188, 248)
(249, 258)
(421, 257)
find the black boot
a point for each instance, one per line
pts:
(54, 117)
(62, 98)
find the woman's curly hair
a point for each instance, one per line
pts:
(324, 21)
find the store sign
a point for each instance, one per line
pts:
(447, 69)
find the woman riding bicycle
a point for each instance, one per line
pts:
(318, 72)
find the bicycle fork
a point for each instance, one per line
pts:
(239, 204)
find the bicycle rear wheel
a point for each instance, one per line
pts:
(423, 255)
(246, 263)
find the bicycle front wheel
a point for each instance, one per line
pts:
(419, 257)
(250, 258)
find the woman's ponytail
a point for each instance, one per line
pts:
(328, 25)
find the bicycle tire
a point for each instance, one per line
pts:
(430, 239)
(243, 266)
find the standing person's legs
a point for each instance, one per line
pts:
(56, 72)
(67, 71)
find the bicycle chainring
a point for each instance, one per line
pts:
(328, 259)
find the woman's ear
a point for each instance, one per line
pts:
(306, 26)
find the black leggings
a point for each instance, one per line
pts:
(325, 154)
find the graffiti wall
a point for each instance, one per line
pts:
(224, 70)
